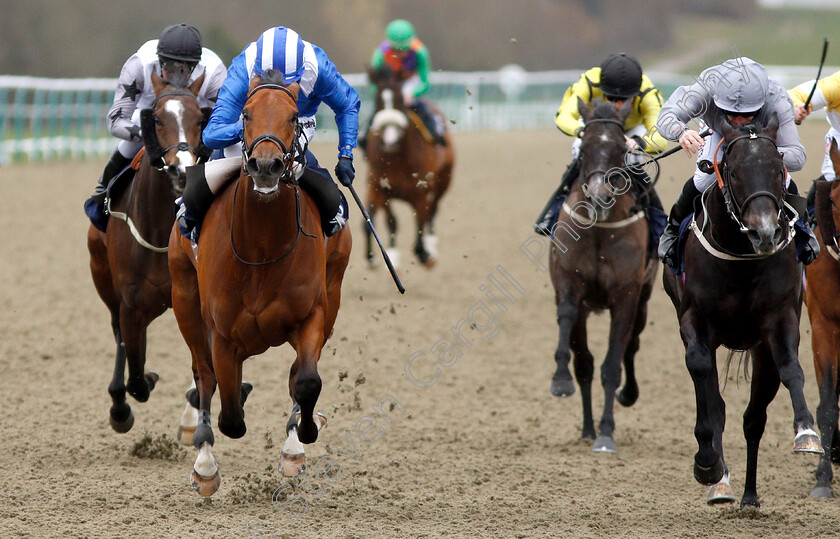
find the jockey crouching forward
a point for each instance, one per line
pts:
(618, 79)
(282, 50)
(408, 59)
(826, 95)
(178, 58)
(738, 92)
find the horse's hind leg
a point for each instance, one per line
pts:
(584, 365)
(426, 253)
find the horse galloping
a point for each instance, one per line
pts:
(128, 262)
(404, 164)
(607, 267)
(742, 290)
(822, 291)
(262, 275)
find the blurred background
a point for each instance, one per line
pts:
(496, 65)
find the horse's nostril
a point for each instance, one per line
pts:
(753, 236)
(276, 167)
(252, 165)
(777, 235)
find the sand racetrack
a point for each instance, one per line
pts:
(485, 451)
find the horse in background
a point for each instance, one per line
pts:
(128, 263)
(405, 164)
(261, 276)
(742, 289)
(606, 267)
(821, 297)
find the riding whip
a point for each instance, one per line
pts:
(706, 132)
(819, 72)
(388, 263)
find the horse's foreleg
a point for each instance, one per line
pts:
(133, 326)
(120, 416)
(782, 337)
(584, 365)
(424, 246)
(562, 384)
(622, 315)
(393, 252)
(227, 365)
(304, 381)
(708, 463)
(765, 384)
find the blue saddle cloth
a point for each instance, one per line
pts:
(683, 239)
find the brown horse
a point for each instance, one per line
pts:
(404, 164)
(128, 262)
(742, 289)
(822, 292)
(605, 267)
(262, 275)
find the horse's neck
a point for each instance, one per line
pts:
(151, 199)
(721, 226)
(265, 224)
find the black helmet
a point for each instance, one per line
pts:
(621, 76)
(180, 42)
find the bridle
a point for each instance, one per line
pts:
(725, 177)
(182, 146)
(288, 153)
(585, 178)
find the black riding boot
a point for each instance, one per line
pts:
(115, 164)
(807, 246)
(318, 184)
(428, 118)
(95, 205)
(811, 201)
(683, 207)
(194, 203)
(548, 216)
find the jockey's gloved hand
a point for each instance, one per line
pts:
(344, 170)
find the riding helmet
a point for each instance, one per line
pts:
(621, 76)
(400, 33)
(180, 42)
(739, 88)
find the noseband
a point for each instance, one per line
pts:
(725, 177)
(289, 154)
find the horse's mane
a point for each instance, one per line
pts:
(603, 109)
(272, 76)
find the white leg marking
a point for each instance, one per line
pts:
(205, 465)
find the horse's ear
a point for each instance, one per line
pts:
(728, 131)
(584, 110)
(625, 110)
(195, 87)
(294, 88)
(157, 83)
(255, 81)
(771, 127)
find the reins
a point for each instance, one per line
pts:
(287, 176)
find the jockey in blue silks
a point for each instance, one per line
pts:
(280, 49)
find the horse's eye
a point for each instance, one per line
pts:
(245, 116)
(158, 123)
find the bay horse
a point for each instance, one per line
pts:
(261, 276)
(742, 289)
(404, 164)
(822, 291)
(128, 263)
(607, 267)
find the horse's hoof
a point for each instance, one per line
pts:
(430, 263)
(821, 492)
(807, 441)
(720, 493)
(562, 387)
(626, 397)
(711, 475)
(122, 426)
(185, 435)
(604, 444)
(750, 501)
(152, 379)
(292, 464)
(206, 486)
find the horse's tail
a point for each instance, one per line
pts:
(744, 362)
